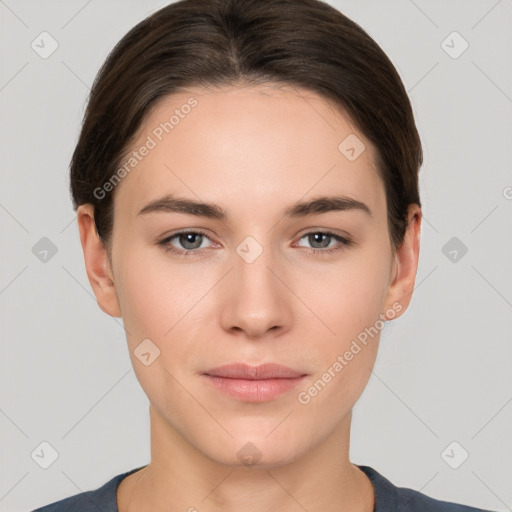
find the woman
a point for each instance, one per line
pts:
(246, 186)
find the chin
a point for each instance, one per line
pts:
(256, 451)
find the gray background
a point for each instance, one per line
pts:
(443, 371)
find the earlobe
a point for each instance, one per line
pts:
(406, 262)
(96, 262)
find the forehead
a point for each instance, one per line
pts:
(246, 148)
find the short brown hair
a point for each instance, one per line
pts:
(305, 43)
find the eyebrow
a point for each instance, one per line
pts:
(324, 204)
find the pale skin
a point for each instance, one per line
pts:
(253, 151)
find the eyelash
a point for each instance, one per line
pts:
(343, 243)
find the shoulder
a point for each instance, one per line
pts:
(388, 497)
(103, 498)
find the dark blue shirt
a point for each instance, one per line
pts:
(388, 498)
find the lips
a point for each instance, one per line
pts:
(254, 383)
(261, 372)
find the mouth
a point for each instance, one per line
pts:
(261, 383)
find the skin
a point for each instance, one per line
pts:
(254, 151)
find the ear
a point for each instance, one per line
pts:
(405, 265)
(97, 264)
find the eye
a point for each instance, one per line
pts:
(190, 241)
(321, 241)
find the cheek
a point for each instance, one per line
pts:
(344, 354)
(347, 296)
(164, 302)
(153, 293)
(157, 303)
(348, 299)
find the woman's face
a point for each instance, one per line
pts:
(258, 285)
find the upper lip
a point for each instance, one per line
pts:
(261, 372)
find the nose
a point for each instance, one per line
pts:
(256, 300)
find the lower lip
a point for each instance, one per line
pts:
(254, 390)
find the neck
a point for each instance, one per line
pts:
(181, 478)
